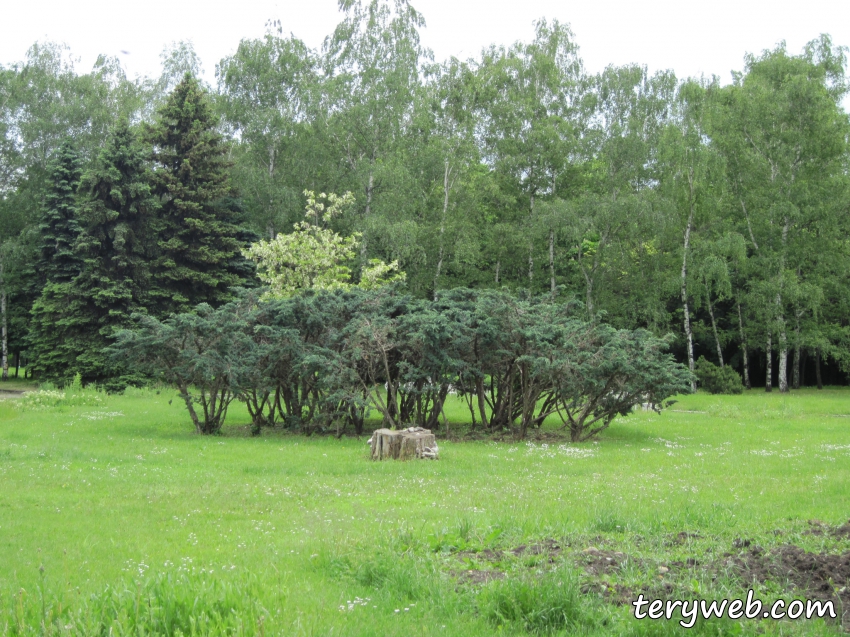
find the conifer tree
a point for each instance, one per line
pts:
(116, 247)
(76, 318)
(197, 228)
(59, 226)
(57, 264)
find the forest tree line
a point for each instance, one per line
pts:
(714, 212)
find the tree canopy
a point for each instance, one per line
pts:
(713, 212)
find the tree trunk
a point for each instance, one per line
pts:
(768, 381)
(498, 267)
(783, 360)
(4, 336)
(442, 227)
(689, 335)
(716, 337)
(745, 354)
(817, 369)
(796, 381)
(482, 403)
(369, 188)
(405, 444)
(552, 288)
(366, 215)
(190, 405)
(17, 363)
(530, 265)
(783, 338)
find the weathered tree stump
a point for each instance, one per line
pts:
(403, 444)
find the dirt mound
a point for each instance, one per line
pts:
(477, 577)
(822, 528)
(821, 576)
(550, 549)
(683, 537)
(547, 551)
(602, 562)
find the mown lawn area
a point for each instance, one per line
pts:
(115, 518)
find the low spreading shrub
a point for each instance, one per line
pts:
(323, 360)
(718, 380)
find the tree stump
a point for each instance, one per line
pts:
(404, 444)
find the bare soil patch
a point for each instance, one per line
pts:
(550, 549)
(477, 577)
(602, 562)
(819, 528)
(822, 576)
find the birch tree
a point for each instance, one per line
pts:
(782, 128)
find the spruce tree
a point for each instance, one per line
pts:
(57, 264)
(59, 225)
(198, 233)
(117, 209)
(76, 316)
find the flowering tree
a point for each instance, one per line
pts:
(314, 256)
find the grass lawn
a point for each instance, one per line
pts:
(115, 518)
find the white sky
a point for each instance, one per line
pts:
(692, 37)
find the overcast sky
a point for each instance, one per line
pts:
(691, 37)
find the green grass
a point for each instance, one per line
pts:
(115, 514)
(17, 384)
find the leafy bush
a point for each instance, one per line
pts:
(718, 380)
(323, 359)
(200, 353)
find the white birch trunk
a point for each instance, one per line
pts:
(796, 382)
(783, 360)
(366, 215)
(744, 352)
(714, 329)
(783, 337)
(552, 287)
(768, 382)
(4, 336)
(442, 228)
(531, 246)
(689, 335)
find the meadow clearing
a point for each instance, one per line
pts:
(117, 519)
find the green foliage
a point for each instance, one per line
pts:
(196, 228)
(59, 228)
(662, 204)
(323, 358)
(314, 257)
(718, 380)
(538, 605)
(58, 264)
(77, 314)
(199, 353)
